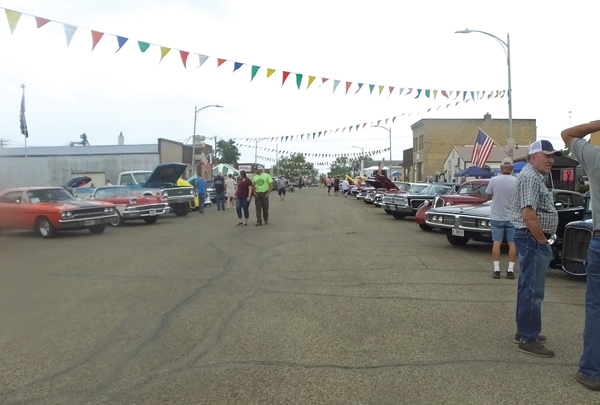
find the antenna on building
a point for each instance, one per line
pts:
(83, 142)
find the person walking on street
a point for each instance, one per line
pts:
(535, 219)
(345, 187)
(262, 183)
(281, 187)
(219, 185)
(328, 182)
(243, 195)
(230, 190)
(588, 156)
(501, 189)
(201, 188)
(336, 186)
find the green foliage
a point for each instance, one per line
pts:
(294, 166)
(343, 165)
(227, 152)
(583, 188)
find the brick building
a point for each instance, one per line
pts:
(433, 139)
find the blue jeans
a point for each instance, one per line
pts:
(589, 365)
(534, 259)
(242, 203)
(220, 200)
(201, 199)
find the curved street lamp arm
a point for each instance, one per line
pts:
(505, 46)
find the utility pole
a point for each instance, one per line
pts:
(3, 142)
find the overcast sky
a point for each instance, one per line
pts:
(408, 44)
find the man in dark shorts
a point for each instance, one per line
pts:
(336, 186)
(280, 187)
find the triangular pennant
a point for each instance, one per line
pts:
(163, 52)
(184, 55)
(386, 121)
(121, 41)
(40, 22)
(96, 37)
(270, 72)
(201, 60)
(348, 84)
(371, 87)
(401, 90)
(427, 93)
(237, 65)
(418, 93)
(394, 119)
(254, 72)
(473, 95)
(364, 125)
(323, 80)
(298, 80)
(284, 77)
(444, 93)
(357, 127)
(409, 91)
(13, 19)
(335, 84)
(310, 80)
(220, 61)
(143, 46)
(434, 94)
(381, 89)
(391, 90)
(464, 95)
(69, 32)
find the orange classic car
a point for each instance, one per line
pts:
(47, 210)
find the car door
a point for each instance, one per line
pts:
(11, 209)
(569, 209)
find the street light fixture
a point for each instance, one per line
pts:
(256, 141)
(362, 159)
(196, 111)
(506, 49)
(390, 132)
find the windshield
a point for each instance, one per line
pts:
(470, 188)
(435, 190)
(107, 192)
(418, 188)
(141, 178)
(49, 195)
(402, 186)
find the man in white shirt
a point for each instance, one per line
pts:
(345, 187)
(501, 189)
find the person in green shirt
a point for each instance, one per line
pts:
(263, 183)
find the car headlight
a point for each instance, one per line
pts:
(133, 201)
(427, 203)
(109, 210)
(66, 214)
(163, 198)
(440, 219)
(482, 223)
(434, 218)
(448, 204)
(165, 193)
(192, 191)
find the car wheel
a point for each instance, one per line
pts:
(45, 228)
(97, 228)
(181, 210)
(399, 215)
(118, 221)
(425, 227)
(151, 220)
(457, 240)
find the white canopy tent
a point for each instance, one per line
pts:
(225, 169)
(370, 171)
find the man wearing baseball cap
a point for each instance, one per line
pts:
(262, 184)
(589, 157)
(501, 189)
(535, 220)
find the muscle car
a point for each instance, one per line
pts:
(130, 206)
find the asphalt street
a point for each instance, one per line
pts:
(334, 302)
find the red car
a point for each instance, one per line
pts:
(130, 206)
(47, 210)
(470, 193)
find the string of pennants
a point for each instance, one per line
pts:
(300, 164)
(96, 36)
(320, 155)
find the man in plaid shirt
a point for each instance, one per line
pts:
(535, 219)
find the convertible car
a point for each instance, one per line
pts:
(130, 206)
(47, 210)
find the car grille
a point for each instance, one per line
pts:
(576, 243)
(448, 220)
(400, 201)
(83, 213)
(179, 191)
(468, 222)
(146, 207)
(416, 203)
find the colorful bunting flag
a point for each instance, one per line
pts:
(335, 84)
(184, 55)
(444, 93)
(391, 90)
(13, 19)
(427, 93)
(371, 87)
(381, 89)
(323, 81)
(254, 71)
(201, 60)
(220, 61)
(310, 80)
(418, 93)
(96, 37)
(270, 72)
(143, 45)
(163, 52)
(121, 41)
(348, 84)
(40, 22)
(298, 80)
(69, 32)
(237, 65)
(284, 77)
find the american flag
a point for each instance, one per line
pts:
(207, 164)
(482, 149)
(22, 118)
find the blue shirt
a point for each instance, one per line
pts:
(201, 185)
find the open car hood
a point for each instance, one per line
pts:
(165, 173)
(382, 182)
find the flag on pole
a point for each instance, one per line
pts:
(22, 117)
(380, 168)
(482, 149)
(207, 165)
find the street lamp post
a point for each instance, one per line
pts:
(506, 48)
(390, 132)
(362, 159)
(256, 141)
(196, 111)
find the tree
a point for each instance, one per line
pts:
(343, 165)
(294, 166)
(227, 152)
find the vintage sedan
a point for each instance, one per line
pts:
(47, 210)
(403, 188)
(462, 223)
(470, 192)
(401, 205)
(130, 206)
(381, 184)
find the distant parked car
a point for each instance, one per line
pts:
(401, 205)
(130, 206)
(47, 210)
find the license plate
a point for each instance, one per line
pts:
(89, 222)
(152, 212)
(458, 232)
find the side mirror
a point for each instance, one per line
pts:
(558, 205)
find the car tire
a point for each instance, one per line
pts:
(44, 228)
(399, 215)
(151, 220)
(425, 227)
(457, 240)
(181, 210)
(118, 221)
(97, 228)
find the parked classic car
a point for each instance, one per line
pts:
(403, 188)
(462, 223)
(381, 184)
(470, 192)
(50, 209)
(130, 206)
(401, 205)
(571, 256)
